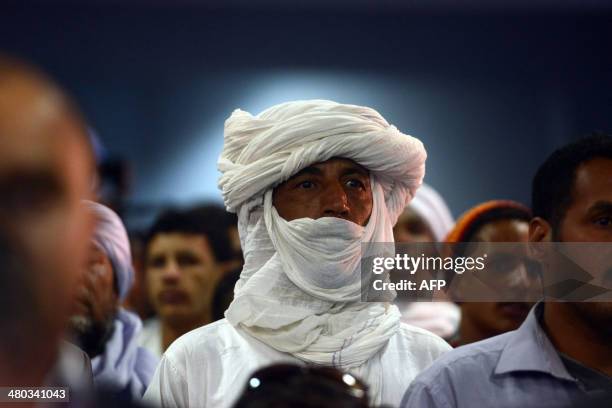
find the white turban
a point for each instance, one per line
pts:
(431, 206)
(264, 150)
(112, 238)
(299, 291)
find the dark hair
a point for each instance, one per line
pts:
(497, 214)
(210, 221)
(491, 211)
(470, 223)
(553, 184)
(224, 293)
(286, 385)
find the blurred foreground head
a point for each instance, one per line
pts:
(46, 168)
(18, 309)
(291, 385)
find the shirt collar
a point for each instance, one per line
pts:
(529, 349)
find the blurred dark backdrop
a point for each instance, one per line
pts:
(490, 87)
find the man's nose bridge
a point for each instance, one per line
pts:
(334, 196)
(171, 269)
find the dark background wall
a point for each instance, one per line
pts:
(490, 90)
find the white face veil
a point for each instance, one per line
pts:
(299, 290)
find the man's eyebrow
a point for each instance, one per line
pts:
(189, 253)
(312, 170)
(601, 207)
(354, 170)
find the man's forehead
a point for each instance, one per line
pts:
(593, 182)
(178, 240)
(337, 162)
(27, 157)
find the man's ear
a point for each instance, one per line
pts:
(539, 231)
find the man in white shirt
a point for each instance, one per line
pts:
(311, 182)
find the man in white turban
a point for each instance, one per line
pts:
(106, 331)
(311, 182)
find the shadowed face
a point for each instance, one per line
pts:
(589, 219)
(495, 318)
(334, 188)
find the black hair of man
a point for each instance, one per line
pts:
(224, 293)
(209, 221)
(553, 184)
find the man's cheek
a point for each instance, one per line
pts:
(153, 286)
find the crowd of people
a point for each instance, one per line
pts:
(258, 302)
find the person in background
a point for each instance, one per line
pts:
(312, 182)
(562, 353)
(228, 221)
(185, 256)
(426, 219)
(101, 327)
(492, 221)
(46, 169)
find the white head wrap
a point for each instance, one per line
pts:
(299, 290)
(112, 238)
(431, 206)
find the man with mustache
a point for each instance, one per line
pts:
(313, 183)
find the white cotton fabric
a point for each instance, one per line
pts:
(441, 318)
(211, 365)
(264, 150)
(150, 336)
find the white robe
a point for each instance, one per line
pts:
(150, 336)
(210, 366)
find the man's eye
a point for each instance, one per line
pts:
(604, 221)
(187, 260)
(157, 262)
(306, 184)
(354, 183)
